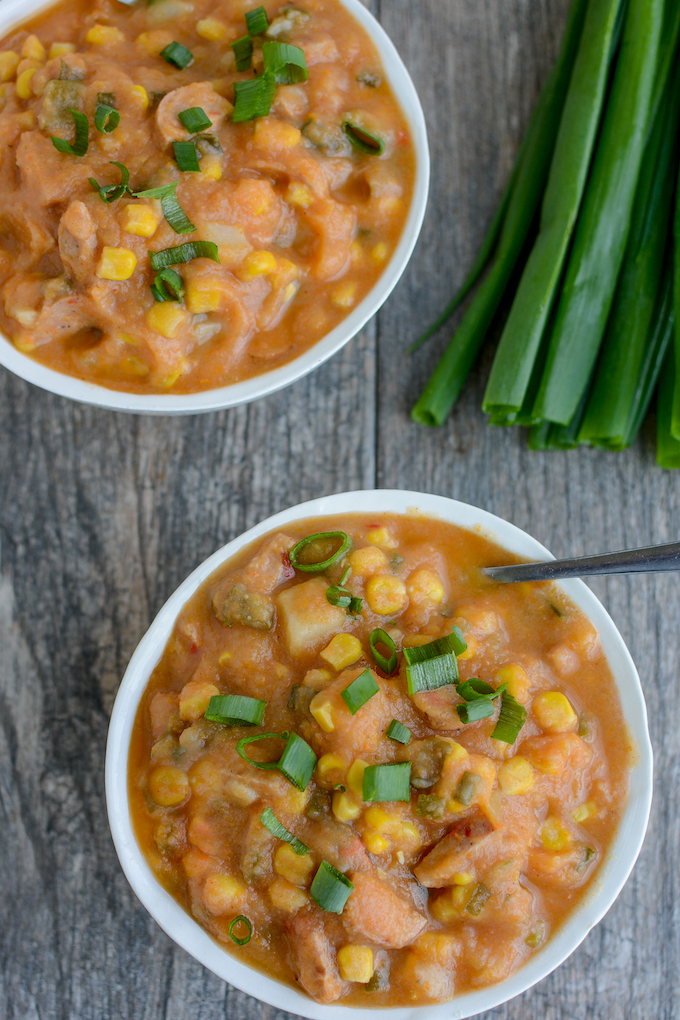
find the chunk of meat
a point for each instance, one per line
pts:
(164, 714)
(448, 857)
(429, 966)
(236, 604)
(338, 844)
(313, 960)
(199, 93)
(268, 569)
(307, 619)
(256, 852)
(353, 735)
(375, 912)
(78, 240)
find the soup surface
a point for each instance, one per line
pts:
(298, 207)
(430, 812)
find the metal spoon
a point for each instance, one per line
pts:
(628, 561)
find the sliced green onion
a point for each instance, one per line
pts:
(234, 938)
(253, 98)
(397, 731)
(343, 579)
(231, 709)
(244, 741)
(106, 119)
(387, 782)
(286, 62)
(318, 566)
(82, 136)
(330, 888)
(243, 52)
(297, 762)
(186, 157)
(473, 711)
(178, 55)
(340, 597)
(510, 721)
(167, 286)
(363, 140)
(257, 21)
(271, 822)
(475, 688)
(184, 253)
(195, 120)
(162, 192)
(453, 644)
(381, 637)
(359, 691)
(431, 674)
(176, 217)
(477, 901)
(468, 785)
(112, 192)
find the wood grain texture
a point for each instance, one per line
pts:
(102, 515)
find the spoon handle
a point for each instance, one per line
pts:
(628, 561)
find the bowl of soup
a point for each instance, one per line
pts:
(347, 770)
(200, 202)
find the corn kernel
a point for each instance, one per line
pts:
(299, 194)
(516, 776)
(425, 585)
(367, 561)
(407, 833)
(342, 651)
(222, 894)
(116, 264)
(203, 295)
(211, 168)
(211, 29)
(344, 295)
(355, 963)
(322, 710)
(587, 810)
(169, 786)
(330, 762)
(287, 897)
(553, 834)
(345, 808)
(142, 220)
(380, 820)
(295, 868)
(33, 49)
(383, 537)
(24, 90)
(356, 252)
(204, 776)
(258, 263)
(166, 318)
(442, 909)
(472, 647)
(104, 35)
(140, 94)
(9, 61)
(379, 252)
(194, 699)
(375, 843)
(153, 42)
(516, 679)
(386, 595)
(275, 134)
(355, 776)
(224, 658)
(463, 878)
(58, 49)
(554, 713)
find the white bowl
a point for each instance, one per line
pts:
(614, 869)
(14, 11)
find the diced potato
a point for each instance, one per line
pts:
(287, 897)
(554, 712)
(169, 786)
(166, 318)
(355, 963)
(222, 894)
(211, 29)
(367, 561)
(195, 698)
(142, 220)
(386, 595)
(104, 35)
(563, 659)
(342, 651)
(516, 776)
(204, 776)
(306, 617)
(295, 868)
(116, 264)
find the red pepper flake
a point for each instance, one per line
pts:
(193, 649)
(288, 568)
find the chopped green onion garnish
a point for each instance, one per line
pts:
(475, 688)
(511, 719)
(243, 52)
(323, 539)
(363, 140)
(330, 888)
(112, 192)
(343, 579)
(184, 253)
(172, 210)
(297, 762)
(234, 938)
(195, 120)
(359, 691)
(253, 98)
(397, 731)
(82, 136)
(435, 664)
(178, 55)
(381, 637)
(271, 822)
(186, 157)
(158, 294)
(230, 709)
(453, 643)
(343, 599)
(168, 286)
(244, 741)
(106, 119)
(286, 62)
(257, 21)
(387, 782)
(477, 901)
(473, 711)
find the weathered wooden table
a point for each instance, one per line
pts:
(102, 515)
